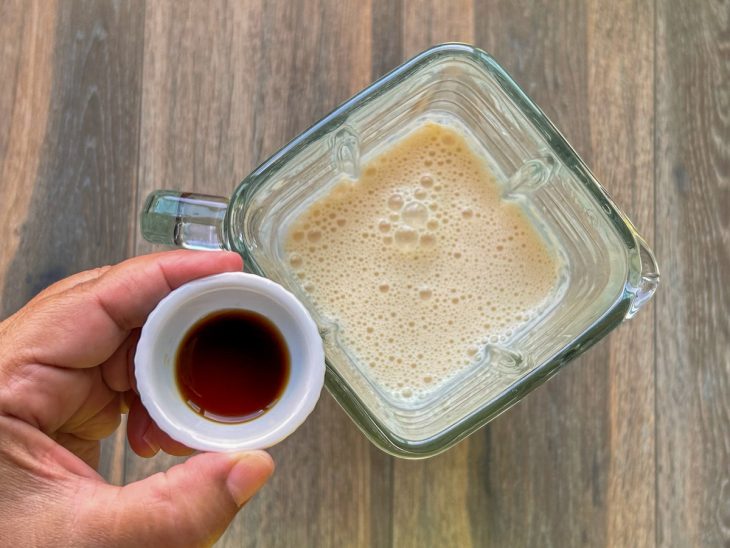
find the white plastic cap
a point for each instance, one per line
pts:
(175, 315)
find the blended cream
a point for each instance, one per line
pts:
(421, 262)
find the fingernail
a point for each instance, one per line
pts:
(248, 475)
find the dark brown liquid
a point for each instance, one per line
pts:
(232, 366)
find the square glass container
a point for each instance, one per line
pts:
(607, 271)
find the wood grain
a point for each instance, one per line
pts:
(693, 245)
(79, 214)
(26, 49)
(621, 108)
(430, 22)
(105, 101)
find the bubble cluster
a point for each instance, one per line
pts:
(421, 262)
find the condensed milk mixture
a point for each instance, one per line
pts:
(421, 262)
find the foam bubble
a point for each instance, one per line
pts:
(415, 214)
(427, 241)
(406, 238)
(395, 202)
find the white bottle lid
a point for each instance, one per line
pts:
(178, 312)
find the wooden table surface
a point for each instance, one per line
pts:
(101, 102)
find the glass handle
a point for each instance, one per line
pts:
(649, 280)
(182, 219)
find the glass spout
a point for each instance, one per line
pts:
(649, 281)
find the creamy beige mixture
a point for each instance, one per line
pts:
(420, 261)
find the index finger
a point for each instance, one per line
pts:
(81, 327)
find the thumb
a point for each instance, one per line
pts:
(189, 505)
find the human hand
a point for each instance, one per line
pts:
(66, 374)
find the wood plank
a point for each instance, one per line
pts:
(387, 33)
(693, 245)
(555, 470)
(620, 57)
(27, 40)
(216, 103)
(430, 22)
(83, 189)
